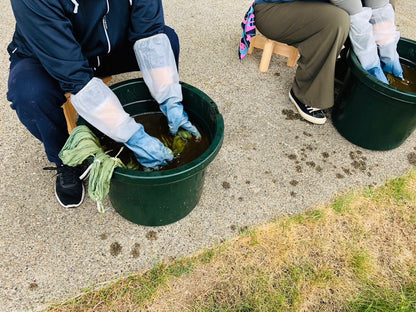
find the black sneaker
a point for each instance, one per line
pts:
(314, 115)
(69, 189)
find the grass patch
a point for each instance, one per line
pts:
(342, 204)
(356, 254)
(381, 299)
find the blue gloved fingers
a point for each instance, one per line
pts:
(188, 126)
(177, 117)
(149, 151)
(378, 73)
(175, 114)
(392, 66)
(390, 59)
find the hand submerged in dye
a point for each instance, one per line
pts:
(178, 143)
(149, 151)
(177, 118)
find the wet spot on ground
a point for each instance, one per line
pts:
(290, 114)
(151, 235)
(135, 250)
(411, 157)
(346, 171)
(243, 229)
(359, 164)
(310, 147)
(294, 182)
(311, 164)
(33, 286)
(226, 185)
(358, 160)
(292, 156)
(115, 249)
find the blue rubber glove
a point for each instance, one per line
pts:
(177, 117)
(149, 151)
(394, 68)
(390, 60)
(378, 73)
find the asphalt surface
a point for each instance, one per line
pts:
(269, 165)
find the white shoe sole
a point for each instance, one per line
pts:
(318, 121)
(72, 205)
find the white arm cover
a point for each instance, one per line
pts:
(157, 64)
(384, 26)
(100, 107)
(362, 39)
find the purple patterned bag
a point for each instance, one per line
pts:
(249, 31)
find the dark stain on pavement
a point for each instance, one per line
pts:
(33, 286)
(290, 114)
(411, 157)
(135, 250)
(226, 185)
(151, 235)
(115, 249)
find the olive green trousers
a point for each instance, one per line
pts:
(319, 31)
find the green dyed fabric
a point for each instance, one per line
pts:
(82, 144)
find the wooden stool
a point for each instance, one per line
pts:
(269, 47)
(70, 112)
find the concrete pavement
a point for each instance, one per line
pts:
(269, 166)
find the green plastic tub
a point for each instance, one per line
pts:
(372, 114)
(163, 197)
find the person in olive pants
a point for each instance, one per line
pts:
(318, 30)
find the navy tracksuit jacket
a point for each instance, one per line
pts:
(69, 36)
(59, 45)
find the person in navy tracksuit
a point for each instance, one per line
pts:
(61, 46)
